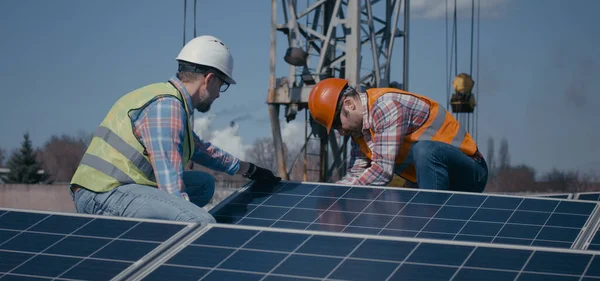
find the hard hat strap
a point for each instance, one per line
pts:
(192, 67)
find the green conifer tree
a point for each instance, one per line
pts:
(23, 164)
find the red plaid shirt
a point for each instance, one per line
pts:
(391, 117)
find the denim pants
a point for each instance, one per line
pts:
(445, 167)
(141, 201)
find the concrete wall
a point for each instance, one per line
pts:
(36, 197)
(57, 198)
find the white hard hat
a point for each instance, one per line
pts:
(210, 51)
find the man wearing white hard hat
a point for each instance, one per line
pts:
(134, 165)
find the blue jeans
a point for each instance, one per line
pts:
(445, 167)
(140, 201)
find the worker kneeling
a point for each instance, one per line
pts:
(134, 165)
(394, 131)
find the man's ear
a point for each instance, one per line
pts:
(349, 104)
(209, 76)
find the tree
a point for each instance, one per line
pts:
(490, 158)
(261, 154)
(569, 181)
(513, 179)
(23, 164)
(2, 155)
(504, 155)
(61, 155)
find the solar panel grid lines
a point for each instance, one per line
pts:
(410, 212)
(240, 252)
(170, 247)
(68, 246)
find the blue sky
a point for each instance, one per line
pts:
(64, 63)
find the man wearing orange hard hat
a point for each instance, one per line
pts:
(398, 132)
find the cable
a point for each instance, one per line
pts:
(447, 67)
(184, 20)
(478, 80)
(455, 40)
(472, 26)
(195, 18)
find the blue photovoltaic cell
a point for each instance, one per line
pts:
(595, 243)
(254, 253)
(589, 196)
(62, 246)
(409, 213)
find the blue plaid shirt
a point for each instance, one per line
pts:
(161, 127)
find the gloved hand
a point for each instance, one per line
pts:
(261, 175)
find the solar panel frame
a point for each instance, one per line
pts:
(554, 195)
(79, 246)
(588, 196)
(515, 229)
(251, 253)
(592, 241)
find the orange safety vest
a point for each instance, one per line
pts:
(440, 126)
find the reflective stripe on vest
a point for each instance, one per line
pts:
(435, 126)
(124, 148)
(106, 167)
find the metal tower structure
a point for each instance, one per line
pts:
(349, 39)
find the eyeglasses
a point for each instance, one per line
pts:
(224, 85)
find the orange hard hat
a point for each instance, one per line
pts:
(323, 99)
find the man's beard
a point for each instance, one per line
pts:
(204, 107)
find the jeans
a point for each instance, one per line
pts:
(445, 167)
(140, 201)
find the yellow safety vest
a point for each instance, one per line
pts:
(115, 157)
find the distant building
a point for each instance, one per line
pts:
(4, 174)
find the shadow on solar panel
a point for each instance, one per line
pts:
(517, 220)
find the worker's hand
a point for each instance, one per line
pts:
(261, 175)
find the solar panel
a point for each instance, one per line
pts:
(72, 246)
(595, 243)
(409, 213)
(589, 196)
(230, 252)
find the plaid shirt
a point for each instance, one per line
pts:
(392, 117)
(161, 127)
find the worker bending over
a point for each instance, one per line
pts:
(134, 165)
(394, 131)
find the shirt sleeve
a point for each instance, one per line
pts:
(161, 129)
(390, 124)
(213, 157)
(356, 165)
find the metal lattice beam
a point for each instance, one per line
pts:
(351, 39)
